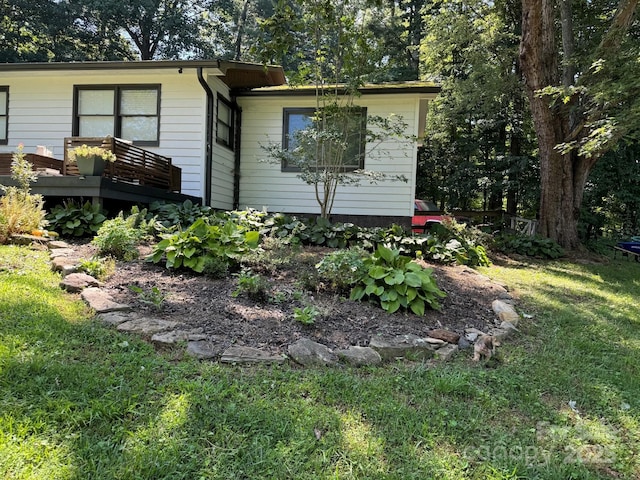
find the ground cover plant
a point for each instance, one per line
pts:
(78, 400)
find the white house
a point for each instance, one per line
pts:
(212, 118)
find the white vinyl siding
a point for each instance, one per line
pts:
(41, 113)
(263, 184)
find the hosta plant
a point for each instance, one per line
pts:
(192, 247)
(398, 282)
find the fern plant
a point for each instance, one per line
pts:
(397, 282)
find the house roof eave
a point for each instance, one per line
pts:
(237, 75)
(368, 89)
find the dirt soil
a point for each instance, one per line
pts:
(207, 304)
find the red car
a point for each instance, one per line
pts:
(422, 222)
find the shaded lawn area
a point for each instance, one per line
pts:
(80, 401)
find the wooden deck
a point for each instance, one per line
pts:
(138, 175)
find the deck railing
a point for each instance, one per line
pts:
(134, 165)
(39, 163)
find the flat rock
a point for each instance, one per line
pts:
(359, 356)
(446, 335)
(57, 244)
(61, 252)
(114, 318)
(505, 312)
(76, 282)
(174, 336)
(203, 350)
(307, 352)
(147, 325)
(60, 264)
(240, 354)
(445, 353)
(101, 301)
(400, 346)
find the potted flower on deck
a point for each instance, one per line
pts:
(91, 160)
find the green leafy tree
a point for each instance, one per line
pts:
(580, 63)
(47, 31)
(336, 55)
(477, 150)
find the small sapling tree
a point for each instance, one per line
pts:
(327, 144)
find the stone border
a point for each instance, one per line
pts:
(440, 345)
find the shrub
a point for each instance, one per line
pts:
(343, 268)
(73, 219)
(396, 281)
(119, 237)
(535, 246)
(20, 210)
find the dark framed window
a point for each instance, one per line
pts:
(131, 112)
(352, 122)
(4, 115)
(224, 123)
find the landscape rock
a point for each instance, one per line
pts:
(147, 325)
(57, 244)
(241, 354)
(203, 350)
(307, 352)
(402, 346)
(114, 318)
(101, 301)
(463, 343)
(61, 252)
(359, 356)
(445, 353)
(505, 296)
(63, 264)
(446, 335)
(76, 282)
(505, 312)
(174, 336)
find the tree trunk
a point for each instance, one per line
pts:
(562, 176)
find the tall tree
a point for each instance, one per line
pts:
(477, 129)
(584, 99)
(49, 31)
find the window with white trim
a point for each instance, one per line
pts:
(128, 112)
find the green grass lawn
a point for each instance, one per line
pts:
(80, 401)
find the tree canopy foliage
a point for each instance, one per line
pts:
(534, 92)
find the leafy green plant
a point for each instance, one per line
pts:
(85, 151)
(306, 315)
(254, 285)
(535, 246)
(20, 210)
(396, 281)
(192, 247)
(119, 238)
(178, 214)
(98, 267)
(76, 220)
(154, 297)
(343, 268)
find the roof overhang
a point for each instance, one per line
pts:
(237, 75)
(368, 89)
